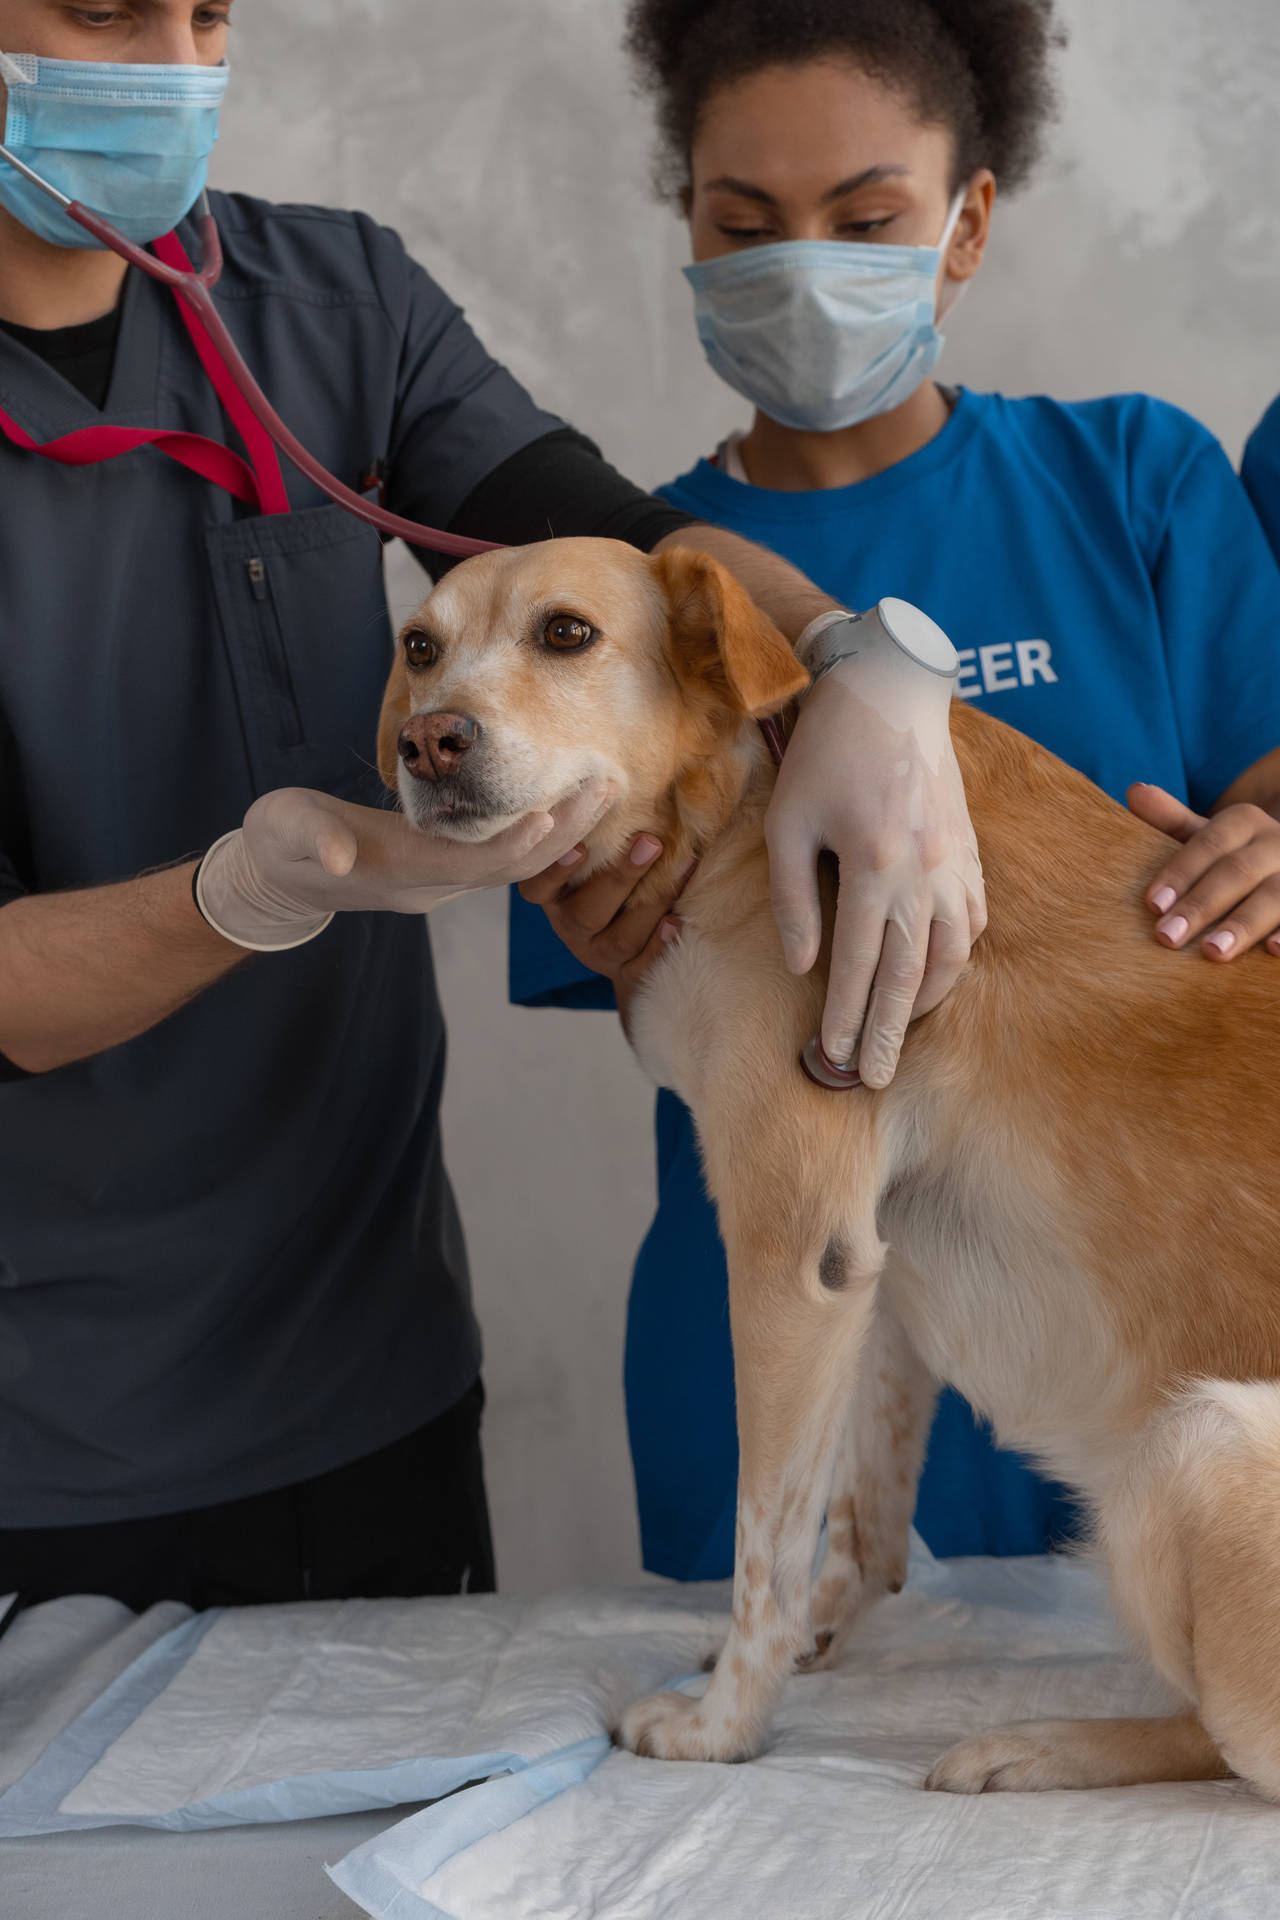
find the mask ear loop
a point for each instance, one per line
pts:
(944, 304)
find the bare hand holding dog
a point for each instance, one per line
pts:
(596, 920)
(1227, 872)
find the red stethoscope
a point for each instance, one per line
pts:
(255, 419)
(258, 480)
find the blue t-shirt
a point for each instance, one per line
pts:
(1112, 595)
(1260, 472)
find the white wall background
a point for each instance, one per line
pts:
(501, 139)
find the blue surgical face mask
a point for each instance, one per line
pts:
(821, 334)
(130, 142)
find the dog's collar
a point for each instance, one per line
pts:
(774, 738)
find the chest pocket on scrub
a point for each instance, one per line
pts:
(303, 616)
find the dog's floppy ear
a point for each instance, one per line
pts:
(720, 638)
(395, 711)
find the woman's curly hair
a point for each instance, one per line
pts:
(979, 67)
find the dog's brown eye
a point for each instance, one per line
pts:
(420, 650)
(566, 635)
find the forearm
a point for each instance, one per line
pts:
(80, 972)
(1258, 785)
(788, 596)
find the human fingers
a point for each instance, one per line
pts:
(793, 887)
(598, 902)
(857, 943)
(541, 888)
(627, 939)
(1255, 919)
(1163, 810)
(570, 822)
(893, 997)
(1216, 870)
(299, 825)
(951, 938)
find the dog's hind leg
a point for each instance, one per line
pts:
(873, 1489)
(795, 1342)
(1191, 1530)
(1047, 1755)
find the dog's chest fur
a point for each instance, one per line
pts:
(998, 1304)
(995, 1298)
(675, 1014)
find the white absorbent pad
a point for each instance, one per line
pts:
(291, 1712)
(832, 1823)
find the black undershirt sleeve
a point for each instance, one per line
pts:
(558, 485)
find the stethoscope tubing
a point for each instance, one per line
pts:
(195, 289)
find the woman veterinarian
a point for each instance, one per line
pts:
(237, 1354)
(1097, 564)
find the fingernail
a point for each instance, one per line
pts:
(645, 849)
(1163, 899)
(1174, 930)
(572, 858)
(687, 873)
(1273, 944)
(1220, 942)
(669, 930)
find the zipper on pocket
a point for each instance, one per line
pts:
(268, 622)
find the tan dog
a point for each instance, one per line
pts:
(1066, 1204)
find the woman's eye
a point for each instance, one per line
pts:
(746, 233)
(861, 227)
(565, 634)
(420, 650)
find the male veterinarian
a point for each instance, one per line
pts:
(237, 1355)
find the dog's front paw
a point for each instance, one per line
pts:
(1010, 1760)
(671, 1726)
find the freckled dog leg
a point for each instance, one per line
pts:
(873, 1489)
(795, 1348)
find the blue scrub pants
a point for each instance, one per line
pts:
(974, 1498)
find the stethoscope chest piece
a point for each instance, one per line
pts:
(816, 1066)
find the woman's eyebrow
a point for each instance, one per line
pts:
(727, 183)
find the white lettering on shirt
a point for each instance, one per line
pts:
(990, 669)
(1033, 662)
(994, 680)
(966, 656)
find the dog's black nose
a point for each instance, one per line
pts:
(432, 744)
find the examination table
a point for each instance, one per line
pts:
(213, 1767)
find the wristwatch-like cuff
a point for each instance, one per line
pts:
(896, 624)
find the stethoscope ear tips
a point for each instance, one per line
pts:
(815, 1066)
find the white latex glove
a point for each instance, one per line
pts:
(301, 856)
(870, 774)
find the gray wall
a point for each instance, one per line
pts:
(500, 138)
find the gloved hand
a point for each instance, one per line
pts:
(870, 774)
(301, 856)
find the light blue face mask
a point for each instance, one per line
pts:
(821, 334)
(129, 142)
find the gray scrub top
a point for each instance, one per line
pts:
(229, 1255)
